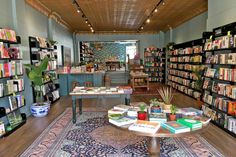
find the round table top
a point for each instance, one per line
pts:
(162, 132)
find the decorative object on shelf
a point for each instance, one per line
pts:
(51, 43)
(173, 110)
(142, 114)
(155, 106)
(167, 96)
(35, 74)
(169, 46)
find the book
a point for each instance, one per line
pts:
(115, 111)
(122, 121)
(133, 112)
(158, 117)
(6, 70)
(122, 107)
(175, 127)
(13, 102)
(193, 124)
(2, 128)
(145, 126)
(191, 111)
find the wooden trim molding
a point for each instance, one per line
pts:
(36, 4)
(117, 32)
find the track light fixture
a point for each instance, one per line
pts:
(79, 10)
(148, 20)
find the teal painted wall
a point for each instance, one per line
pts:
(220, 12)
(145, 40)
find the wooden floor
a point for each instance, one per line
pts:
(17, 142)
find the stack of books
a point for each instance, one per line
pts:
(158, 117)
(175, 127)
(145, 126)
(191, 123)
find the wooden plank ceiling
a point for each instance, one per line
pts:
(126, 15)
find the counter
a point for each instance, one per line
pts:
(66, 79)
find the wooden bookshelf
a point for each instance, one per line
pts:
(37, 53)
(218, 99)
(154, 64)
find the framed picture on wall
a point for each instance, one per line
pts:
(66, 56)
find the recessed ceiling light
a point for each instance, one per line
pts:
(78, 11)
(148, 20)
(86, 21)
(92, 30)
(156, 10)
(142, 27)
(163, 3)
(89, 25)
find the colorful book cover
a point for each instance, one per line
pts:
(190, 123)
(175, 127)
(6, 70)
(13, 102)
(145, 126)
(122, 121)
(13, 68)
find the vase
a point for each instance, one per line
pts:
(40, 110)
(142, 115)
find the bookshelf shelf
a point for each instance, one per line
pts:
(11, 68)
(36, 55)
(220, 56)
(154, 64)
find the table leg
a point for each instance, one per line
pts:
(74, 110)
(80, 106)
(154, 147)
(127, 101)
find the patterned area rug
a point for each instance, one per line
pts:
(92, 136)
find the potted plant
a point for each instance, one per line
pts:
(51, 43)
(167, 96)
(142, 114)
(35, 74)
(155, 106)
(173, 110)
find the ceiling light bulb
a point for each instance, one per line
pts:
(142, 27)
(92, 30)
(148, 20)
(86, 21)
(156, 10)
(78, 11)
(89, 25)
(163, 3)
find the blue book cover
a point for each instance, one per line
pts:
(175, 127)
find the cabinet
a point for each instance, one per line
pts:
(39, 48)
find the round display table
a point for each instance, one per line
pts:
(154, 144)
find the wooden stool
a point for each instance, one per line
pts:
(88, 84)
(74, 84)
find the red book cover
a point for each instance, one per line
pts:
(6, 70)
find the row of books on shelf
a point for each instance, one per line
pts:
(184, 89)
(189, 50)
(228, 41)
(223, 104)
(40, 55)
(15, 102)
(226, 74)
(154, 69)
(11, 86)
(154, 64)
(222, 119)
(156, 74)
(184, 74)
(122, 115)
(182, 81)
(226, 58)
(189, 67)
(52, 65)
(156, 59)
(8, 34)
(155, 79)
(11, 69)
(53, 96)
(9, 52)
(186, 59)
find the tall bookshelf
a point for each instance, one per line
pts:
(39, 48)
(86, 53)
(183, 60)
(11, 83)
(154, 63)
(219, 78)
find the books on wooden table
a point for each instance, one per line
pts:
(175, 127)
(122, 107)
(158, 117)
(145, 126)
(116, 111)
(193, 124)
(122, 121)
(189, 111)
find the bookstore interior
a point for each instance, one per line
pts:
(115, 78)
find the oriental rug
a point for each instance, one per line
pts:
(93, 136)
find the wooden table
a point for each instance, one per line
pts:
(134, 84)
(80, 96)
(154, 144)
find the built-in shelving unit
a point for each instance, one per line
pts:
(183, 60)
(11, 83)
(39, 48)
(86, 53)
(154, 63)
(220, 78)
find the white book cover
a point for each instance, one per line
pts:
(122, 121)
(145, 126)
